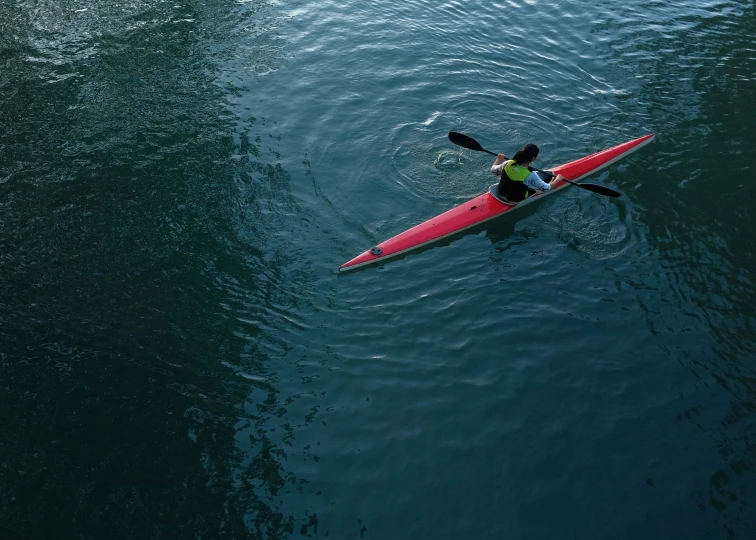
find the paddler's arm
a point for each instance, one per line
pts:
(533, 181)
(498, 164)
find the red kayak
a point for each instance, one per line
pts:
(486, 207)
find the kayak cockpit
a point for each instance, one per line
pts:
(494, 191)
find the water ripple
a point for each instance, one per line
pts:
(179, 184)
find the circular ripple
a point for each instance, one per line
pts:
(599, 229)
(450, 161)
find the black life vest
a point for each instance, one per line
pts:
(512, 184)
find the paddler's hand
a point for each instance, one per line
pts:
(554, 181)
(499, 159)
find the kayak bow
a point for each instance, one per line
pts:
(486, 207)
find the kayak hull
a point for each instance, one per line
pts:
(485, 207)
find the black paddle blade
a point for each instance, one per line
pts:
(601, 190)
(463, 140)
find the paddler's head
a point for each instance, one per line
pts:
(527, 155)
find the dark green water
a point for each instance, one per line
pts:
(179, 182)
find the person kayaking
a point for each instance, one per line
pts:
(518, 181)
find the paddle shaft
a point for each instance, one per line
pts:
(471, 144)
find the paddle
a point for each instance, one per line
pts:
(471, 144)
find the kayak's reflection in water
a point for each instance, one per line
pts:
(503, 237)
